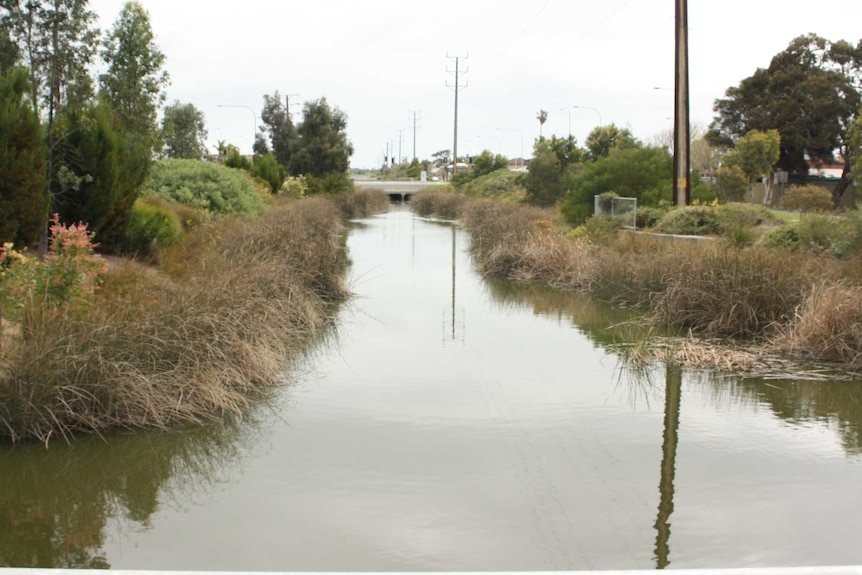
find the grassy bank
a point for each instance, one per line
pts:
(197, 336)
(794, 302)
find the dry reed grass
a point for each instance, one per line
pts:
(827, 326)
(711, 288)
(196, 339)
(444, 203)
(363, 202)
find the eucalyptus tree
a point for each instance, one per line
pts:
(278, 125)
(184, 132)
(57, 41)
(321, 147)
(135, 80)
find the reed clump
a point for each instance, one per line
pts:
(827, 326)
(444, 203)
(363, 202)
(195, 338)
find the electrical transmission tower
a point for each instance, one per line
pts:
(456, 86)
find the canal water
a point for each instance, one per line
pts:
(450, 423)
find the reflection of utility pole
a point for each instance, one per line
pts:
(454, 257)
(672, 397)
(681, 145)
(450, 330)
(457, 86)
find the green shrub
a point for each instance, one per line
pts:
(294, 186)
(817, 233)
(152, 224)
(690, 221)
(503, 184)
(786, 237)
(649, 216)
(808, 199)
(267, 169)
(597, 229)
(329, 184)
(237, 161)
(219, 190)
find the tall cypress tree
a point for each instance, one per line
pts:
(23, 206)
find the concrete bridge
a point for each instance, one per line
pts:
(398, 191)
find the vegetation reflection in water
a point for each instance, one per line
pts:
(55, 503)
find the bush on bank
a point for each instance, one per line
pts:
(218, 190)
(194, 338)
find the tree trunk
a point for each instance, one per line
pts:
(767, 190)
(842, 185)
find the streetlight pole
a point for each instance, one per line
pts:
(253, 121)
(521, 135)
(569, 110)
(594, 110)
(499, 143)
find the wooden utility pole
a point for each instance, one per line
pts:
(681, 143)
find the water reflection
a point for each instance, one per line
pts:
(600, 322)
(837, 405)
(55, 503)
(673, 395)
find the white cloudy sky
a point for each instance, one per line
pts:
(380, 60)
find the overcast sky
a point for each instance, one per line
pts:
(380, 60)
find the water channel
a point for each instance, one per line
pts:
(453, 423)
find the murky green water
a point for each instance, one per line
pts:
(455, 424)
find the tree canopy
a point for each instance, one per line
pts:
(603, 139)
(278, 126)
(810, 93)
(321, 147)
(554, 161)
(184, 132)
(135, 79)
(645, 173)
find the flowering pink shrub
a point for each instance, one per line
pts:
(67, 276)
